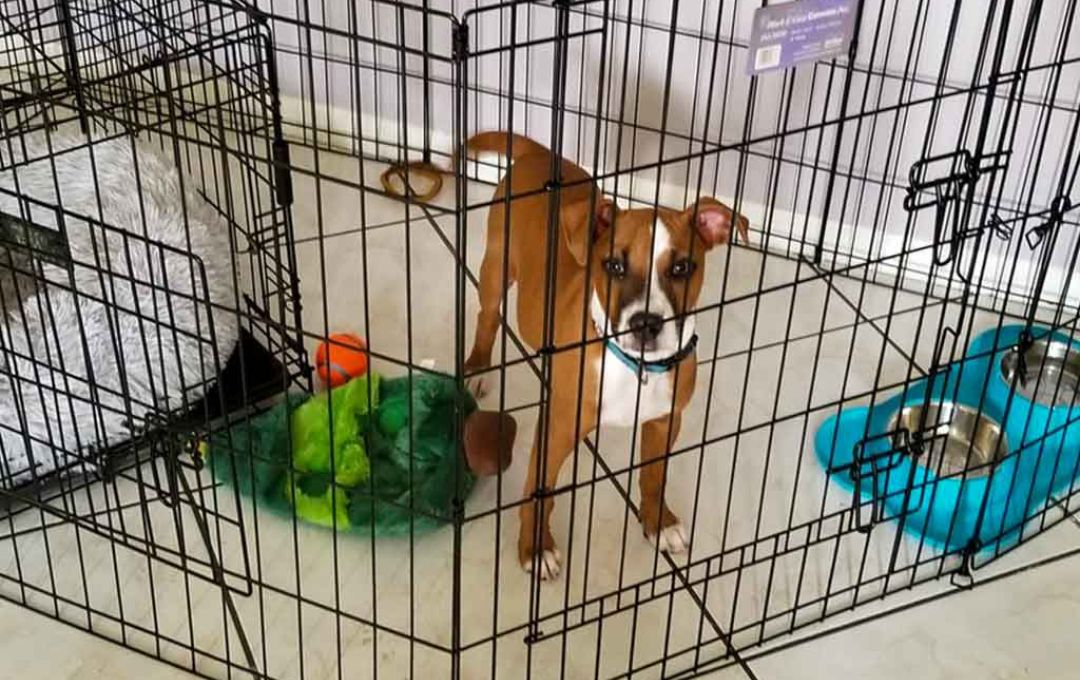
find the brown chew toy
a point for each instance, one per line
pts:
(404, 173)
(489, 442)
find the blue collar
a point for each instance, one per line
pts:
(635, 364)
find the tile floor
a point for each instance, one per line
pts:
(1012, 629)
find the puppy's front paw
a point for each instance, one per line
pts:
(672, 539)
(477, 381)
(547, 563)
(477, 386)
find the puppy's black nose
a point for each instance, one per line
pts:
(646, 326)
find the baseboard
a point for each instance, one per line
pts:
(384, 139)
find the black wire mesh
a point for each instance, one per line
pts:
(902, 201)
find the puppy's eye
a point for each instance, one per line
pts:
(615, 267)
(681, 269)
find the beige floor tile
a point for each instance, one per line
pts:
(34, 646)
(1015, 628)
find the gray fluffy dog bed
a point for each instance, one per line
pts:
(89, 349)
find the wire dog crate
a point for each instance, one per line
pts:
(912, 211)
(123, 339)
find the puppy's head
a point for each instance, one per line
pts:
(647, 267)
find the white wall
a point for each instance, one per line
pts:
(911, 53)
(342, 89)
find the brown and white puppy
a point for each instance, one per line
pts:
(640, 289)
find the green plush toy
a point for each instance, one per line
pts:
(310, 489)
(395, 465)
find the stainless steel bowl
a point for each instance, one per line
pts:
(956, 437)
(1050, 376)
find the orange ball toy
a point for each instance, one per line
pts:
(341, 358)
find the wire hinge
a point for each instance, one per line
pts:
(964, 577)
(1003, 229)
(461, 42)
(282, 173)
(1054, 217)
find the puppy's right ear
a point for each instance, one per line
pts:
(583, 222)
(713, 221)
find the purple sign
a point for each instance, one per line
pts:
(795, 32)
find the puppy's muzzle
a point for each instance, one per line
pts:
(645, 328)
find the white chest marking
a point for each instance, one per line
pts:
(620, 400)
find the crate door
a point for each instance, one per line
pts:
(107, 364)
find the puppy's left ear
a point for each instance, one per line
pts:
(583, 223)
(713, 221)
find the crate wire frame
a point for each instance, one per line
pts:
(88, 541)
(901, 200)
